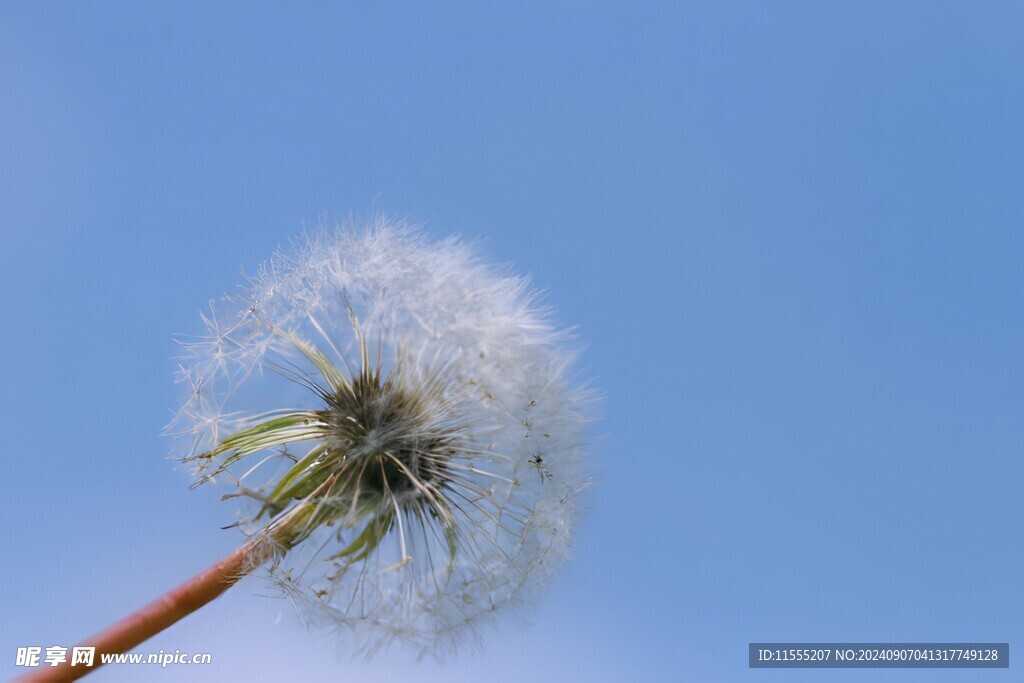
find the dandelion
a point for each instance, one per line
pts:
(401, 425)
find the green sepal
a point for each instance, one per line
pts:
(371, 537)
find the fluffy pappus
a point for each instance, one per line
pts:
(411, 411)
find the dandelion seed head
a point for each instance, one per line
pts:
(414, 407)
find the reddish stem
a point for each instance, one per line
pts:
(182, 601)
(161, 613)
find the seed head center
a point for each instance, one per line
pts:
(382, 436)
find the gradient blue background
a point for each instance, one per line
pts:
(791, 235)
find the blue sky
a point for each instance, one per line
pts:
(790, 233)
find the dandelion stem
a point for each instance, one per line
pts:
(166, 610)
(182, 601)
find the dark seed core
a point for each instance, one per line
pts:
(386, 437)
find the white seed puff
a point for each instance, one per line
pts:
(409, 410)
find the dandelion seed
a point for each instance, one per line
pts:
(376, 397)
